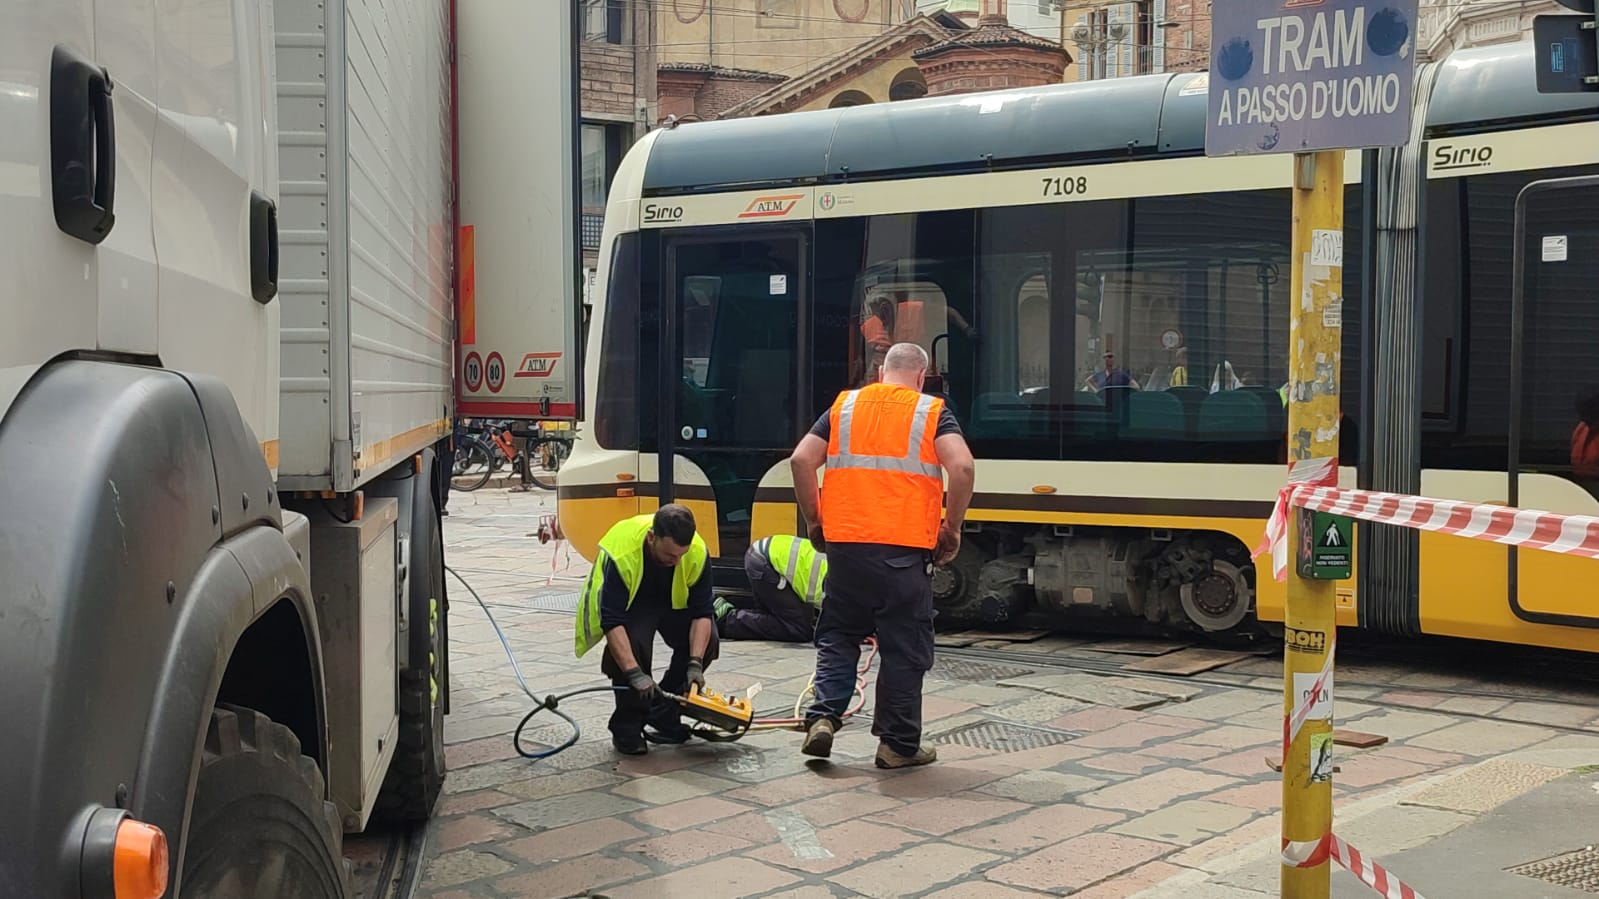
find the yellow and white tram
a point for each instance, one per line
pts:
(1107, 311)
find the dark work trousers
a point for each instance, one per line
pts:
(886, 590)
(633, 711)
(780, 614)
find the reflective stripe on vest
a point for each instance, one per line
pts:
(623, 546)
(798, 563)
(909, 462)
(883, 483)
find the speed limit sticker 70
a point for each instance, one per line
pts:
(472, 371)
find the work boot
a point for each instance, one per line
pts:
(888, 758)
(721, 608)
(818, 739)
(630, 745)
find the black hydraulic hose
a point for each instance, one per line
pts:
(551, 702)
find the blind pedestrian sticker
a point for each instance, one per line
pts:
(1290, 76)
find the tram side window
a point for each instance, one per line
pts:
(616, 408)
(1442, 273)
(1182, 326)
(915, 286)
(1560, 350)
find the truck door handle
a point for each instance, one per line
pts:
(263, 248)
(83, 147)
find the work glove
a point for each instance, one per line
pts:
(641, 683)
(696, 673)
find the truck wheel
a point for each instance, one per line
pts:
(416, 775)
(259, 827)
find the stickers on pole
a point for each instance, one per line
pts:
(1321, 758)
(1318, 702)
(1326, 247)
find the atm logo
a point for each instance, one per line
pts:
(771, 207)
(537, 365)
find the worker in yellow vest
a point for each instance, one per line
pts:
(652, 577)
(786, 575)
(881, 515)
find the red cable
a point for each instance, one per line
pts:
(860, 689)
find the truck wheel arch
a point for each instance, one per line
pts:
(150, 557)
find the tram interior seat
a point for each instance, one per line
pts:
(1236, 415)
(1192, 398)
(1154, 415)
(1011, 417)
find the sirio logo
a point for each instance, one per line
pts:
(1446, 157)
(537, 365)
(771, 207)
(656, 212)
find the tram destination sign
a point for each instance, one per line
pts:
(1292, 76)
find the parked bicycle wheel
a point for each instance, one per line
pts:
(543, 459)
(472, 467)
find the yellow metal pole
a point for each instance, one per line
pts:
(1315, 328)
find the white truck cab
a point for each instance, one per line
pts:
(227, 346)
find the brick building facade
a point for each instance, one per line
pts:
(617, 100)
(993, 56)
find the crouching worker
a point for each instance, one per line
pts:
(652, 576)
(786, 575)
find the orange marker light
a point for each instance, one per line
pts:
(141, 861)
(1043, 488)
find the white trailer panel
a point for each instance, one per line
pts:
(365, 266)
(518, 209)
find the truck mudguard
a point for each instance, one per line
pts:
(142, 537)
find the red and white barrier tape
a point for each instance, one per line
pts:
(1303, 704)
(561, 548)
(1310, 487)
(1311, 853)
(1301, 474)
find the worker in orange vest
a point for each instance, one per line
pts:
(882, 522)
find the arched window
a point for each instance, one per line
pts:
(850, 98)
(908, 85)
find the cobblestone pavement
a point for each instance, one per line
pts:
(1049, 782)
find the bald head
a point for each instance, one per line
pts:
(905, 364)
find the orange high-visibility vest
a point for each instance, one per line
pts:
(883, 482)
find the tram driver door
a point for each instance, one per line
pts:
(731, 394)
(1554, 390)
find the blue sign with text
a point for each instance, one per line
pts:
(1291, 76)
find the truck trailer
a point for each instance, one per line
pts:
(228, 356)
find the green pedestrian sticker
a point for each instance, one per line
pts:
(1326, 546)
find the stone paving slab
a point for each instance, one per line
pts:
(1158, 787)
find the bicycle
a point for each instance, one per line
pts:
(479, 453)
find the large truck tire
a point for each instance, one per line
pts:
(260, 827)
(416, 775)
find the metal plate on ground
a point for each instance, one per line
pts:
(967, 670)
(1004, 736)
(1187, 662)
(554, 602)
(1578, 870)
(1136, 647)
